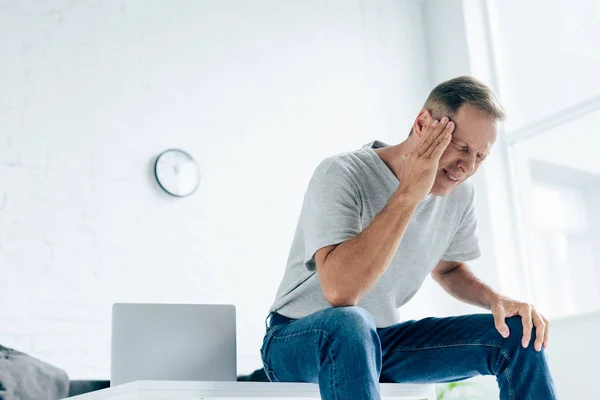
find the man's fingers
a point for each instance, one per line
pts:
(540, 330)
(423, 143)
(428, 136)
(428, 139)
(527, 325)
(500, 322)
(441, 143)
(546, 331)
(436, 137)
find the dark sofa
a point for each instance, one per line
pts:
(82, 386)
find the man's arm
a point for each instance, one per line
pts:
(348, 270)
(457, 279)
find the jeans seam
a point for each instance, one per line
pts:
(334, 374)
(510, 385)
(458, 344)
(269, 372)
(333, 388)
(302, 333)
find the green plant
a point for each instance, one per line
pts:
(443, 391)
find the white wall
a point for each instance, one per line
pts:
(259, 92)
(573, 355)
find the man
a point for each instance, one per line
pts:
(373, 224)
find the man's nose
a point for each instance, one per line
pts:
(467, 163)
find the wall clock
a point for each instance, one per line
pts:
(177, 172)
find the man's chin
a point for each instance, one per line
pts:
(443, 190)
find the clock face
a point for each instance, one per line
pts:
(177, 172)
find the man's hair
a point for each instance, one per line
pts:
(447, 97)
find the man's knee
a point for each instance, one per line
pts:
(351, 322)
(352, 335)
(515, 326)
(514, 343)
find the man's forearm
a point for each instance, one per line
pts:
(462, 284)
(354, 266)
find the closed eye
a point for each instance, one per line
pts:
(466, 150)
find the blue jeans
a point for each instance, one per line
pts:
(343, 351)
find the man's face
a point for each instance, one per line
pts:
(473, 137)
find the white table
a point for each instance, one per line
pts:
(170, 390)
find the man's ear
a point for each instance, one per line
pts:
(423, 120)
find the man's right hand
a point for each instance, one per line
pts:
(421, 165)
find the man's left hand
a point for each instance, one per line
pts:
(504, 307)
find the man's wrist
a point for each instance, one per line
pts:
(491, 299)
(404, 199)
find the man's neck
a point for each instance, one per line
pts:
(392, 157)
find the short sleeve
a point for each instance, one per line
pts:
(465, 244)
(330, 213)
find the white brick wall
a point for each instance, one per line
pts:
(259, 92)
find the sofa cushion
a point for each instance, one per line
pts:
(23, 377)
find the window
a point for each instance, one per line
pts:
(548, 83)
(548, 58)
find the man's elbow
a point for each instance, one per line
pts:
(339, 299)
(335, 292)
(436, 276)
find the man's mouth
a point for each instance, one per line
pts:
(450, 176)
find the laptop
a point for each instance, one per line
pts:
(173, 342)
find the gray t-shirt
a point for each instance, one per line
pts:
(344, 194)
